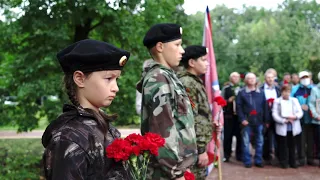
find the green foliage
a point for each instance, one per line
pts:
(19, 162)
(32, 73)
(249, 39)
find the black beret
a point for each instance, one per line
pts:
(162, 33)
(90, 55)
(193, 52)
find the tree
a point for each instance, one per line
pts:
(32, 39)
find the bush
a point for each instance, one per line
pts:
(20, 159)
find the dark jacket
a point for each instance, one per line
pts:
(227, 92)
(75, 148)
(248, 101)
(269, 109)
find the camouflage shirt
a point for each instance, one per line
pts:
(166, 110)
(201, 108)
(75, 148)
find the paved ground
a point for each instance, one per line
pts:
(233, 170)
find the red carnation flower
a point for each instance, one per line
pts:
(253, 112)
(212, 158)
(270, 100)
(155, 138)
(134, 138)
(305, 95)
(242, 76)
(285, 82)
(189, 175)
(152, 142)
(120, 149)
(220, 101)
(149, 146)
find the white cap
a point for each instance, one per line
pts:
(304, 73)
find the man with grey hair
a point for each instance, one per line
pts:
(271, 92)
(231, 123)
(314, 105)
(251, 110)
(274, 72)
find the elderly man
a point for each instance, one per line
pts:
(274, 72)
(271, 92)
(231, 123)
(251, 110)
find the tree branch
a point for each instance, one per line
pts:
(98, 24)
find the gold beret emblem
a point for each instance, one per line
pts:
(123, 60)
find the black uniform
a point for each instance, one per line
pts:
(231, 125)
(75, 148)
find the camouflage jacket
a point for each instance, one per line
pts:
(201, 108)
(75, 148)
(166, 110)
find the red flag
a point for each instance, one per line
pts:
(212, 85)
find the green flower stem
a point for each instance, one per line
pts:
(133, 162)
(146, 158)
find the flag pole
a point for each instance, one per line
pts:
(213, 90)
(218, 130)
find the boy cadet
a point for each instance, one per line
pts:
(166, 109)
(195, 62)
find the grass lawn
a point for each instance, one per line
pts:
(20, 159)
(43, 123)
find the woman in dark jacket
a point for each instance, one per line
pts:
(75, 143)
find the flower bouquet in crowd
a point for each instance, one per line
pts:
(189, 176)
(221, 102)
(135, 151)
(270, 101)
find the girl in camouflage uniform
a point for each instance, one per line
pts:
(75, 142)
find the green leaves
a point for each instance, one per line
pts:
(20, 158)
(245, 40)
(31, 72)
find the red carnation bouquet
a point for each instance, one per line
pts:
(135, 151)
(189, 176)
(220, 101)
(270, 101)
(253, 112)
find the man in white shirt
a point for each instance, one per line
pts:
(271, 92)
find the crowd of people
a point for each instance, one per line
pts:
(280, 120)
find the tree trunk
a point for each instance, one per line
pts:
(82, 30)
